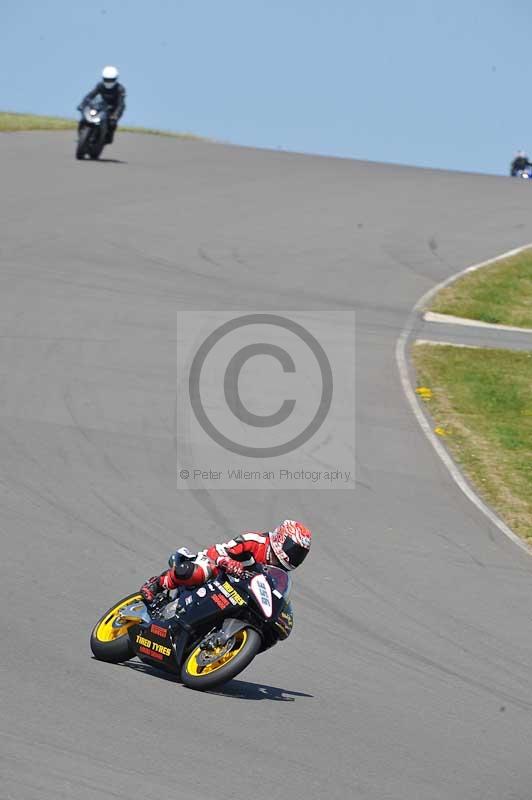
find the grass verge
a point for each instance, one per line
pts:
(11, 122)
(500, 294)
(30, 122)
(481, 403)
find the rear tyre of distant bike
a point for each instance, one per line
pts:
(96, 150)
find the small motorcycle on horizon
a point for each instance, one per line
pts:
(525, 174)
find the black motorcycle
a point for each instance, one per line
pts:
(93, 129)
(206, 635)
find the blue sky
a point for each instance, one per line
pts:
(441, 84)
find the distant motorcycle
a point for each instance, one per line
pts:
(93, 129)
(525, 173)
(204, 636)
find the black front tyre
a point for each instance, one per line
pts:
(205, 669)
(83, 138)
(110, 639)
(98, 142)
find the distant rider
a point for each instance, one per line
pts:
(286, 547)
(113, 93)
(519, 163)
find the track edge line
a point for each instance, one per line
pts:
(401, 356)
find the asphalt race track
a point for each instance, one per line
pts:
(407, 676)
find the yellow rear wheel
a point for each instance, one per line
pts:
(109, 638)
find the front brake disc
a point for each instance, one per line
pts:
(213, 654)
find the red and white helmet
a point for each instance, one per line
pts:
(290, 542)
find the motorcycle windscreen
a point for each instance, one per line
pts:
(281, 580)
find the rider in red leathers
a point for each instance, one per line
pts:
(286, 547)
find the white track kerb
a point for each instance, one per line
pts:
(447, 319)
(401, 355)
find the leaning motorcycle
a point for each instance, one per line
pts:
(93, 128)
(206, 635)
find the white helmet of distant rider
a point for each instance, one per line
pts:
(109, 77)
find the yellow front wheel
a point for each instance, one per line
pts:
(207, 667)
(109, 637)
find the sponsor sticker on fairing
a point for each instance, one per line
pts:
(231, 593)
(221, 601)
(152, 649)
(261, 589)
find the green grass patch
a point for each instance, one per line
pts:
(12, 122)
(481, 399)
(500, 294)
(30, 122)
